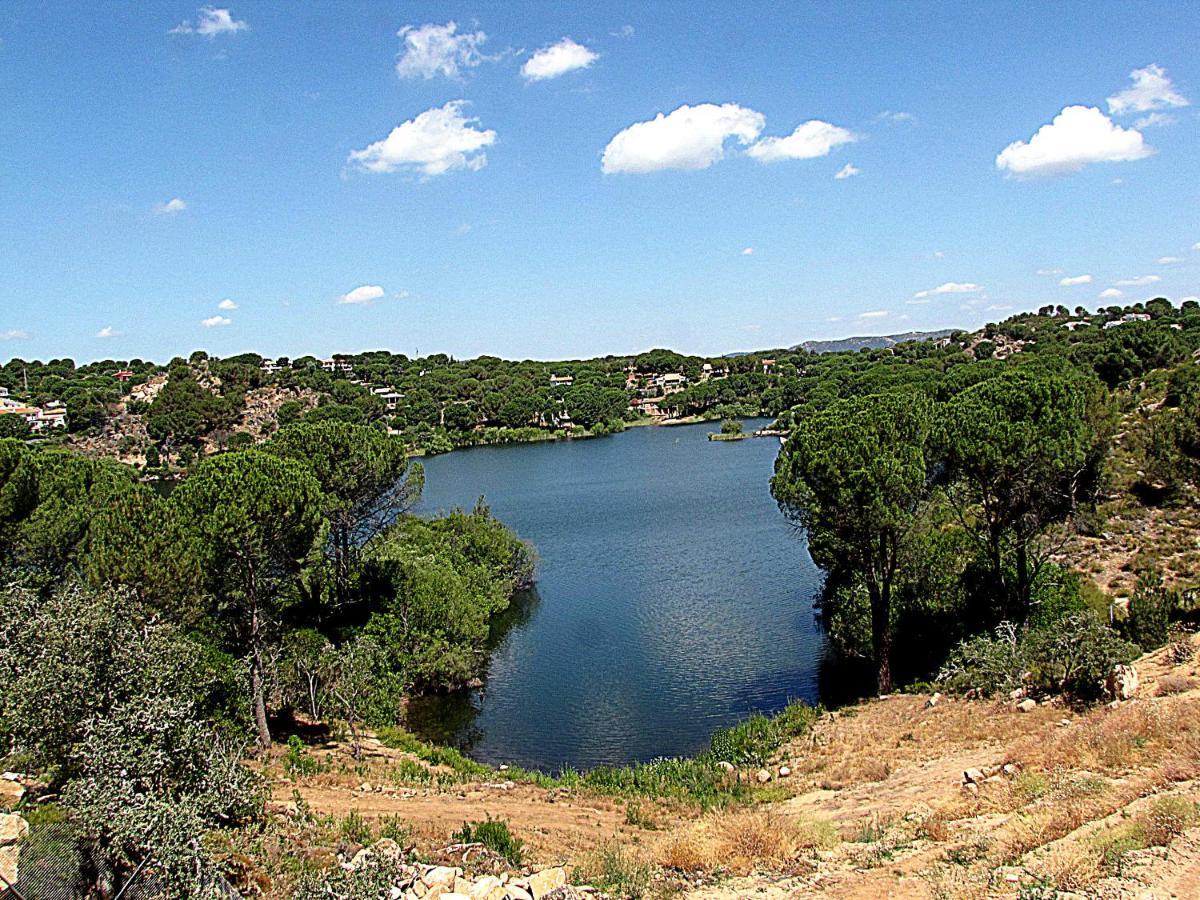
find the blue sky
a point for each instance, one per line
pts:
(157, 159)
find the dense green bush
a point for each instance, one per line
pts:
(495, 835)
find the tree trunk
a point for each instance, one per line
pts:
(259, 699)
(881, 635)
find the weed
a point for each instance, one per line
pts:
(495, 835)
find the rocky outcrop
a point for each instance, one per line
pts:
(1122, 682)
(424, 882)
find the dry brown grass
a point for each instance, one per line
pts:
(745, 840)
(1174, 684)
(1070, 867)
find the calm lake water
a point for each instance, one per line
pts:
(672, 598)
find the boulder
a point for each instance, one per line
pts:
(1027, 705)
(933, 701)
(517, 893)
(727, 767)
(763, 776)
(11, 793)
(1122, 682)
(785, 772)
(441, 876)
(1010, 770)
(970, 787)
(973, 776)
(543, 882)
(8, 863)
(13, 829)
(482, 888)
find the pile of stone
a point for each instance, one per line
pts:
(426, 882)
(973, 778)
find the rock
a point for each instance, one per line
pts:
(566, 892)
(13, 829)
(727, 767)
(1010, 770)
(366, 787)
(419, 889)
(933, 701)
(11, 793)
(994, 779)
(453, 896)
(433, 893)
(482, 888)
(387, 848)
(543, 882)
(785, 772)
(763, 776)
(972, 776)
(1064, 723)
(8, 863)
(971, 787)
(517, 893)
(1018, 694)
(1122, 682)
(1027, 705)
(503, 767)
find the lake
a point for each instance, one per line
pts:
(672, 598)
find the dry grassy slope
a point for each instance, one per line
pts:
(875, 805)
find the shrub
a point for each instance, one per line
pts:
(495, 835)
(986, 663)
(1150, 607)
(1075, 655)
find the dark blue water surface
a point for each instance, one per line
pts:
(672, 598)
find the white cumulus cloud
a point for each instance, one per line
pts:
(437, 141)
(431, 50)
(1169, 260)
(216, 322)
(1049, 272)
(227, 305)
(874, 314)
(362, 296)
(107, 332)
(810, 140)
(1154, 120)
(1071, 280)
(1111, 294)
(847, 171)
(172, 207)
(558, 59)
(210, 22)
(1151, 89)
(1079, 135)
(690, 137)
(1140, 281)
(951, 287)
(14, 334)
(748, 251)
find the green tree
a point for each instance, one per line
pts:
(1020, 452)
(255, 522)
(366, 481)
(854, 476)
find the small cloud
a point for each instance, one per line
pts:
(889, 116)
(690, 137)
(361, 296)
(211, 22)
(810, 140)
(14, 334)
(748, 251)
(227, 305)
(847, 171)
(108, 332)
(172, 207)
(939, 254)
(1140, 281)
(1111, 294)
(1049, 271)
(1151, 89)
(1072, 280)
(437, 141)
(464, 228)
(950, 287)
(216, 322)
(916, 302)
(1169, 260)
(557, 59)
(1196, 246)
(625, 31)
(1154, 120)
(431, 50)
(875, 314)
(833, 319)
(1078, 136)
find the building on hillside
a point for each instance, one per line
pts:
(1127, 318)
(123, 375)
(768, 365)
(337, 365)
(3, 392)
(671, 383)
(388, 395)
(562, 380)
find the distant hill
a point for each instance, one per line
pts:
(874, 342)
